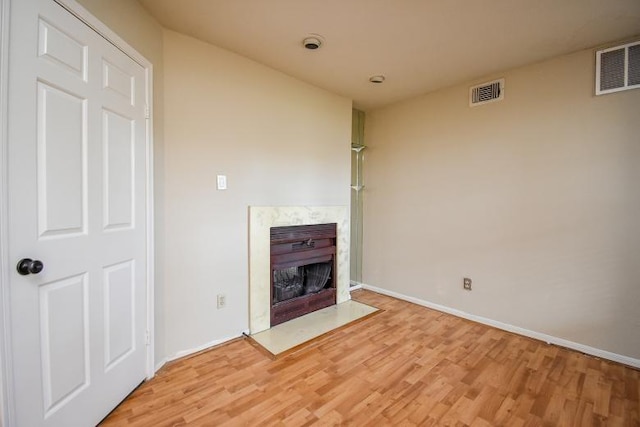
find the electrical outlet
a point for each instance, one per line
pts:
(222, 300)
(466, 283)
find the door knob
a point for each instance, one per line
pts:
(28, 266)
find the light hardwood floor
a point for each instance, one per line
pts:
(406, 366)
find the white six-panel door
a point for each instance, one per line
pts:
(77, 173)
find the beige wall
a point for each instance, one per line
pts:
(278, 140)
(536, 198)
(134, 25)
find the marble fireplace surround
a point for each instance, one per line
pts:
(261, 219)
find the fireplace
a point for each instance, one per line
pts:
(303, 270)
(261, 220)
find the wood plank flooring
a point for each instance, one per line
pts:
(407, 366)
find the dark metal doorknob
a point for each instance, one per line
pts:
(28, 266)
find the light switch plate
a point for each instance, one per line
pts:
(221, 182)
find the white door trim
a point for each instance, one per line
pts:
(6, 379)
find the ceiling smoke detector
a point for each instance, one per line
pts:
(312, 42)
(377, 79)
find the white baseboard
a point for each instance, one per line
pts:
(353, 285)
(189, 352)
(625, 360)
(160, 365)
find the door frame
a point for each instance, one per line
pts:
(7, 404)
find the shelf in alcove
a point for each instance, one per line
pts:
(357, 147)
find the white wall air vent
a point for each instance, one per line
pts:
(618, 68)
(486, 92)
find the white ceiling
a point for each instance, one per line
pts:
(419, 45)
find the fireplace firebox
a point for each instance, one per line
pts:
(303, 270)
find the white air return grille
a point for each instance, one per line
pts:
(486, 92)
(618, 68)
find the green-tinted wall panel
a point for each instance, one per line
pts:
(357, 183)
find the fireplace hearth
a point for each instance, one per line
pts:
(303, 270)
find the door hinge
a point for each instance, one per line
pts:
(147, 338)
(147, 112)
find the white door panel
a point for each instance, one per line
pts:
(64, 331)
(119, 171)
(118, 81)
(61, 162)
(64, 50)
(77, 173)
(119, 312)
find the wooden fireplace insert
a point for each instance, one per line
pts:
(305, 249)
